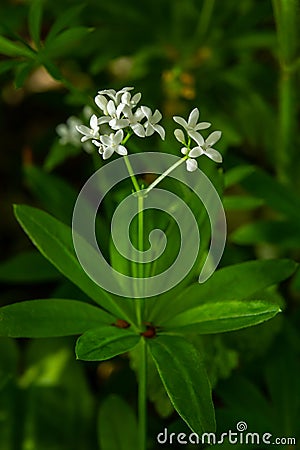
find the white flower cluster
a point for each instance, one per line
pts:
(120, 112)
(204, 147)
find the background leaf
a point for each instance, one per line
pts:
(117, 425)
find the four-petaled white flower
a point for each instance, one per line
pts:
(204, 147)
(151, 125)
(89, 133)
(191, 126)
(111, 143)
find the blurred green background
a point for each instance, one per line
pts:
(238, 62)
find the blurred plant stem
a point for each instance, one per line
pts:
(142, 396)
(286, 19)
(205, 19)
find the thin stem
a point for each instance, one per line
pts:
(142, 396)
(205, 18)
(131, 173)
(163, 175)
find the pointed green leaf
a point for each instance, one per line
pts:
(34, 20)
(222, 316)
(117, 425)
(229, 283)
(237, 202)
(184, 377)
(64, 20)
(10, 48)
(28, 267)
(50, 317)
(22, 72)
(105, 343)
(65, 41)
(54, 241)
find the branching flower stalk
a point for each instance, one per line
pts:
(121, 118)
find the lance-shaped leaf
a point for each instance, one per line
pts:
(105, 342)
(236, 282)
(54, 241)
(184, 377)
(50, 318)
(117, 425)
(222, 316)
(10, 48)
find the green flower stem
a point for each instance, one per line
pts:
(142, 396)
(163, 175)
(131, 173)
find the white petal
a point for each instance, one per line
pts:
(121, 150)
(111, 109)
(149, 129)
(191, 165)
(118, 137)
(193, 117)
(126, 98)
(181, 121)
(196, 136)
(107, 152)
(195, 152)
(106, 140)
(179, 134)
(213, 137)
(101, 102)
(117, 124)
(83, 129)
(138, 129)
(184, 150)
(136, 98)
(97, 143)
(94, 122)
(103, 119)
(214, 155)
(146, 111)
(202, 126)
(156, 116)
(160, 130)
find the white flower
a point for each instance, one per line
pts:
(131, 102)
(203, 148)
(68, 133)
(151, 125)
(110, 144)
(191, 126)
(134, 120)
(113, 95)
(89, 133)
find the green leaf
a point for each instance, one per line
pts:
(22, 72)
(222, 316)
(28, 267)
(34, 20)
(117, 425)
(65, 41)
(49, 318)
(10, 48)
(228, 284)
(56, 196)
(54, 241)
(64, 20)
(58, 153)
(185, 380)
(238, 202)
(105, 343)
(278, 197)
(237, 174)
(281, 233)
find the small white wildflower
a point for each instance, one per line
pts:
(191, 126)
(68, 133)
(89, 133)
(115, 95)
(203, 148)
(110, 144)
(151, 125)
(130, 102)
